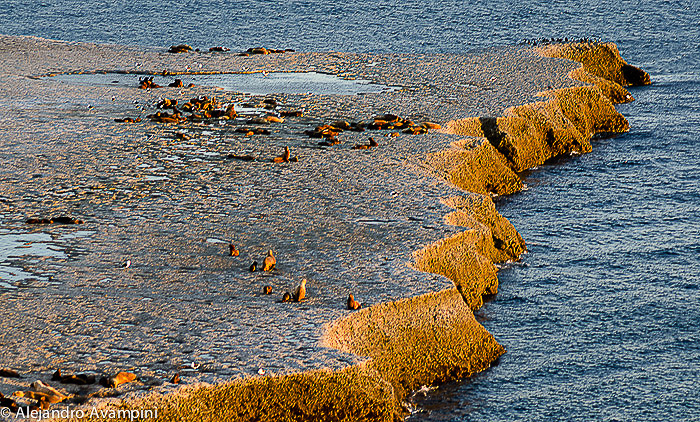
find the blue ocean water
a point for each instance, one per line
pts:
(601, 323)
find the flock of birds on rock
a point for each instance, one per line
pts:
(548, 41)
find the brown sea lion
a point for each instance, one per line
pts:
(117, 380)
(430, 125)
(352, 304)
(9, 403)
(287, 297)
(284, 158)
(9, 373)
(181, 48)
(232, 250)
(291, 113)
(52, 395)
(274, 119)
(300, 291)
(241, 157)
(253, 266)
(269, 262)
(175, 379)
(267, 290)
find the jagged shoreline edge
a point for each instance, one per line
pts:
(434, 337)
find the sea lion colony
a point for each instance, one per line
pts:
(207, 110)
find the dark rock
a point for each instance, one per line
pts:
(635, 76)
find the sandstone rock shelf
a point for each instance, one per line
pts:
(393, 225)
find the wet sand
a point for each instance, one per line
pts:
(347, 220)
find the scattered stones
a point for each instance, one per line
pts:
(270, 260)
(54, 220)
(182, 48)
(9, 373)
(117, 380)
(177, 83)
(175, 379)
(352, 304)
(218, 49)
(300, 291)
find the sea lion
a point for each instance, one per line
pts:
(300, 291)
(231, 112)
(291, 113)
(241, 157)
(287, 297)
(352, 304)
(232, 250)
(253, 266)
(128, 120)
(175, 379)
(284, 158)
(274, 119)
(372, 144)
(66, 220)
(430, 125)
(9, 373)
(9, 403)
(77, 379)
(117, 380)
(53, 396)
(182, 48)
(269, 262)
(329, 142)
(267, 290)
(218, 49)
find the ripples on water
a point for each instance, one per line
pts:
(602, 323)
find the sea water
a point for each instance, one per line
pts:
(601, 318)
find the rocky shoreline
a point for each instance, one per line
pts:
(415, 330)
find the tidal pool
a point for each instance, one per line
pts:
(248, 83)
